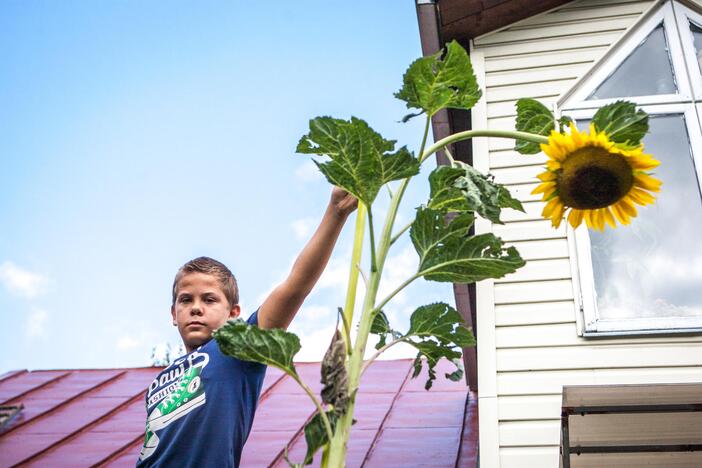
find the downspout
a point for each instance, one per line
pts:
(441, 124)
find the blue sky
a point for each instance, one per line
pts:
(138, 135)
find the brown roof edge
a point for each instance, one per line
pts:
(430, 37)
(467, 19)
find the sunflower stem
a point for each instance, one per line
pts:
(468, 134)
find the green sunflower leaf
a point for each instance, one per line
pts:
(447, 253)
(247, 342)
(315, 434)
(381, 327)
(532, 117)
(437, 331)
(622, 123)
(443, 194)
(433, 83)
(563, 123)
(462, 188)
(362, 161)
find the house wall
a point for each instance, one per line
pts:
(528, 323)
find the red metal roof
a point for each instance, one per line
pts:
(97, 417)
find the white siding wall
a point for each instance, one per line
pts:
(528, 342)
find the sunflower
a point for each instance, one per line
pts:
(596, 179)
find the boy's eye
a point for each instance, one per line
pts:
(184, 299)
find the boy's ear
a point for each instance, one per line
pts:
(173, 316)
(235, 311)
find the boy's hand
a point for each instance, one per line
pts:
(278, 310)
(342, 202)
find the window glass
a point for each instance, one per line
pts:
(697, 38)
(646, 71)
(653, 267)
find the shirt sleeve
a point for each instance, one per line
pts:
(253, 318)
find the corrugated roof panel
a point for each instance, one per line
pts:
(14, 386)
(57, 392)
(468, 456)
(88, 450)
(55, 426)
(98, 417)
(281, 412)
(309, 372)
(437, 409)
(415, 447)
(359, 443)
(385, 376)
(262, 448)
(372, 408)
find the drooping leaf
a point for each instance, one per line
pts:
(443, 194)
(532, 117)
(433, 83)
(437, 331)
(462, 188)
(563, 123)
(432, 352)
(247, 342)
(440, 321)
(362, 161)
(316, 435)
(622, 123)
(448, 254)
(335, 379)
(381, 327)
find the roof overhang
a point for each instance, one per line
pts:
(463, 20)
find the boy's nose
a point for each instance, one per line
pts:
(195, 311)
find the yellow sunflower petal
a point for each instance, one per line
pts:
(550, 207)
(641, 196)
(598, 219)
(547, 176)
(553, 165)
(609, 218)
(644, 162)
(628, 207)
(575, 218)
(545, 187)
(620, 214)
(647, 182)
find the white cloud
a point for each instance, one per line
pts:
(303, 227)
(397, 270)
(314, 344)
(313, 312)
(37, 323)
(127, 342)
(335, 275)
(22, 282)
(308, 172)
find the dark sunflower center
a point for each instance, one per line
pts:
(593, 178)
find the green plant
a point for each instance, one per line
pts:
(363, 162)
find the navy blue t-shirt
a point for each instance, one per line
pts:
(200, 409)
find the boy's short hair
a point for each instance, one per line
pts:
(210, 266)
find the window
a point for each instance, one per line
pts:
(646, 278)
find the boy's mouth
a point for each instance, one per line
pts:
(195, 323)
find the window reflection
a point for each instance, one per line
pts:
(653, 268)
(697, 39)
(648, 70)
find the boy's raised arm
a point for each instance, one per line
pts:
(278, 310)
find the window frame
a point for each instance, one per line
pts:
(688, 79)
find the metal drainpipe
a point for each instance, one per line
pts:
(429, 33)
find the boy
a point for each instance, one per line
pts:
(200, 408)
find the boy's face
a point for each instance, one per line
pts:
(200, 308)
